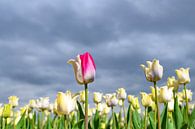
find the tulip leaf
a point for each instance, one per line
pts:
(192, 119)
(81, 113)
(178, 118)
(170, 124)
(21, 121)
(164, 119)
(108, 123)
(151, 119)
(136, 120)
(116, 121)
(96, 120)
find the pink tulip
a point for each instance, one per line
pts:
(84, 68)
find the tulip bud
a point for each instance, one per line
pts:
(43, 103)
(32, 103)
(130, 98)
(97, 98)
(165, 94)
(135, 103)
(171, 105)
(65, 103)
(121, 93)
(153, 92)
(183, 75)
(84, 68)
(13, 100)
(154, 71)
(146, 99)
(7, 110)
(172, 83)
(189, 95)
(111, 100)
(82, 96)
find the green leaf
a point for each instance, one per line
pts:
(116, 121)
(136, 120)
(151, 119)
(192, 119)
(170, 124)
(96, 120)
(81, 113)
(21, 122)
(178, 118)
(164, 119)
(108, 123)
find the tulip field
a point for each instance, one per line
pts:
(165, 107)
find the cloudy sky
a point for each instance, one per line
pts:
(37, 37)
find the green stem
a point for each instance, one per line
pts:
(131, 124)
(156, 102)
(86, 106)
(145, 118)
(124, 114)
(113, 119)
(186, 97)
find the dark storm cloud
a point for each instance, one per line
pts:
(38, 37)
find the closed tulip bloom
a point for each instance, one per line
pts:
(97, 97)
(171, 105)
(13, 100)
(65, 103)
(154, 71)
(153, 92)
(32, 103)
(146, 99)
(121, 93)
(166, 94)
(172, 83)
(84, 68)
(189, 94)
(43, 103)
(106, 109)
(183, 75)
(82, 96)
(111, 100)
(135, 103)
(180, 97)
(130, 98)
(7, 109)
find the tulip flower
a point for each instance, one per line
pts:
(183, 75)
(97, 97)
(173, 83)
(65, 103)
(184, 78)
(171, 105)
(111, 100)
(121, 93)
(154, 71)
(42, 103)
(166, 94)
(13, 100)
(82, 96)
(7, 109)
(189, 95)
(135, 103)
(146, 99)
(84, 69)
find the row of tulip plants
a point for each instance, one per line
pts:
(165, 107)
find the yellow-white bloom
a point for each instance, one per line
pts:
(32, 103)
(146, 99)
(135, 103)
(111, 100)
(171, 105)
(97, 97)
(189, 95)
(183, 75)
(172, 83)
(130, 98)
(7, 109)
(154, 71)
(42, 103)
(82, 96)
(121, 93)
(106, 109)
(166, 94)
(120, 102)
(13, 100)
(65, 103)
(180, 97)
(153, 92)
